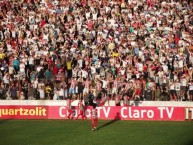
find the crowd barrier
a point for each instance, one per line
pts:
(147, 110)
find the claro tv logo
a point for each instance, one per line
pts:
(37, 111)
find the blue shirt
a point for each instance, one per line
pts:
(16, 63)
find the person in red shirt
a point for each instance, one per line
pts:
(55, 70)
(81, 110)
(94, 117)
(69, 106)
(138, 87)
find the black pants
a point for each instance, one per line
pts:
(69, 73)
(148, 95)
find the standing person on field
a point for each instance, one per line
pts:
(94, 117)
(81, 110)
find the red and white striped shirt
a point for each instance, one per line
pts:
(73, 84)
(115, 84)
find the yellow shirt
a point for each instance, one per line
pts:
(2, 55)
(69, 65)
(115, 54)
(48, 89)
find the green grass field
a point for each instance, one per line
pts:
(66, 132)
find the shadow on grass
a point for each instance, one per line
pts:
(117, 118)
(190, 143)
(4, 120)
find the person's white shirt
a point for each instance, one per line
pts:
(45, 37)
(74, 72)
(87, 15)
(165, 68)
(39, 68)
(107, 9)
(79, 73)
(5, 79)
(138, 75)
(190, 86)
(124, 63)
(13, 34)
(94, 16)
(172, 86)
(177, 86)
(42, 93)
(183, 82)
(160, 74)
(98, 64)
(31, 60)
(35, 84)
(164, 80)
(61, 92)
(9, 48)
(122, 71)
(84, 74)
(93, 70)
(112, 22)
(80, 63)
(56, 94)
(181, 63)
(104, 84)
(162, 59)
(140, 67)
(112, 61)
(140, 54)
(22, 67)
(11, 69)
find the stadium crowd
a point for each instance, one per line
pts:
(99, 49)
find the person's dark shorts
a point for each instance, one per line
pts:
(190, 92)
(172, 92)
(183, 88)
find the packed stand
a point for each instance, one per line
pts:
(96, 50)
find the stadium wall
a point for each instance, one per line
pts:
(147, 110)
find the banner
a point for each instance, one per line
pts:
(106, 113)
(24, 112)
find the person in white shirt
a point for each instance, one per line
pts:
(183, 82)
(190, 90)
(11, 70)
(104, 86)
(165, 68)
(31, 63)
(177, 86)
(140, 66)
(6, 80)
(180, 63)
(93, 71)
(84, 74)
(22, 68)
(42, 93)
(61, 93)
(172, 91)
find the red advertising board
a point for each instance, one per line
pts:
(107, 113)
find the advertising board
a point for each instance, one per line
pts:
(106, 113)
